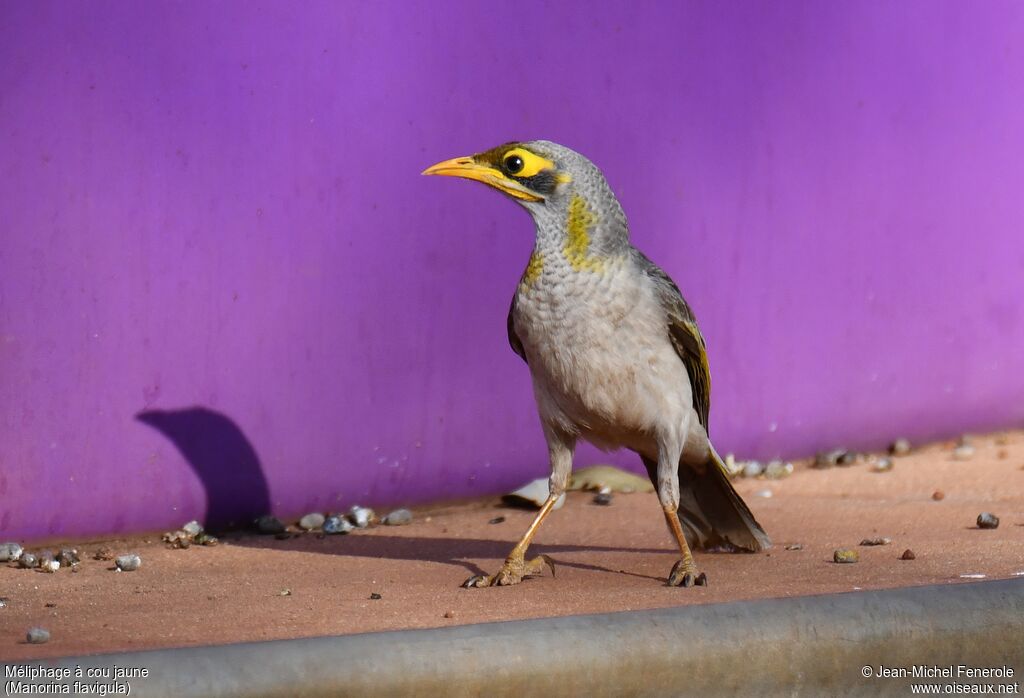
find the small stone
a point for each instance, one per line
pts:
(795, 546)
(37, 636)
(497, 520)
(987, 520)
(826, 459)
(963, 452)
(311, 522)
(68, 557)
(10, 551)
(399, 517)
(337, 525)
(205, 538)
(732, 467)
(777, 470)
(103, 554)
(192, 528)
(49, 565)
(882, 465)
(899, 447)
(28, 560)
(876, 541)
(938, 495)
(269, 525)
(375, 596)
(128, 563)
(845, 555)
(362, 517)
(4, 601)
(752, 468)
(848, 458)
(449, 614)
(908, 554)
(767, 494)
(603, 498)
(285, 592)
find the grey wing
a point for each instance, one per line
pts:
(685, 336)
(513, 338)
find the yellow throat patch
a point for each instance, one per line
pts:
(578, 225)
(533, 270)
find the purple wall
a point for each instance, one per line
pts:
(219, 207)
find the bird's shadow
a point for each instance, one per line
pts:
(223, 459)
(450, 551)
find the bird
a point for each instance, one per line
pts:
(614, 354)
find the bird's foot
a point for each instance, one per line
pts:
(512, 572)
(684, 574)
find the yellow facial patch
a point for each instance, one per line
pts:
(578, 225)
(532, 163)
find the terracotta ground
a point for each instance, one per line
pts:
(611, 558)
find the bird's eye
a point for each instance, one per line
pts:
(513, 164)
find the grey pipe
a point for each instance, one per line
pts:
(804, 646)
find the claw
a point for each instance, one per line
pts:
(477, 581)
(686, 575)
(512, 572)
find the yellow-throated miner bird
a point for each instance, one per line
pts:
(614, 352)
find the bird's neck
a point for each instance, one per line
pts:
(579, 233)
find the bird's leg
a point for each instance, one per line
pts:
(560, 448)
(684, 572)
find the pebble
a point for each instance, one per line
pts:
(337, 525)
(882, 465)
(192, 528)
(399, 517)
(767, 494)
(10, 551)
(908, 554)
(103, 554)
(68, 557)
(777, 470)
(497, 520)
(270, 525)
(28, 560)
(938, 495)
(362, 517)
(826, 459)
(848, 458)
(987, 520)
(899, 447)
(37, 636)
(449, 614)
(128, 563)
(963, 452)
(752, 468)
(375, 596)
(795, 546)
(311, 522)
(876, 541)
(49, 565)
(845, 555)
(604, 497)
(285, 592)
(206, 539)
(4, 601)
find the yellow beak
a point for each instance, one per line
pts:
(471, 169)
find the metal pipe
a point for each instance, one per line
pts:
(803, 646)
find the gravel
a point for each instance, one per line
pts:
(128, 563)
(399, 517)
(10, 551)
(312, 521)
(362, 517)
(37, 636)
(988, 520)
(28, 560)
(908, 554)
(882, 465)
(337, 525)
(845, 556)
(876, 541)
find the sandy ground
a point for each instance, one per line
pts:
(609, 558)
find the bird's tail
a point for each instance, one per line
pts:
(712, 513)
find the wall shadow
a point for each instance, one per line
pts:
(222, 457)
